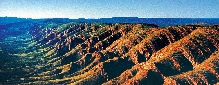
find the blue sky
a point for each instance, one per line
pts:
(110, 8)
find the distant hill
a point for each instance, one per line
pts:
(161, 22)
(7, 20)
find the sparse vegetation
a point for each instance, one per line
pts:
(106, 53)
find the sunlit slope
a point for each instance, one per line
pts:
(101, 53)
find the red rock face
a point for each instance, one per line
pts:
(93, 54)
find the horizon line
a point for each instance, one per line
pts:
(99, 17)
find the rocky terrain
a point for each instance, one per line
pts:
(105, 53)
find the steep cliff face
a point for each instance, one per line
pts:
(99, 53)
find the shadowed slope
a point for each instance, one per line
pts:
(102, 53)
(173, 59)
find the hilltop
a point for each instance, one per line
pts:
(52, 52)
